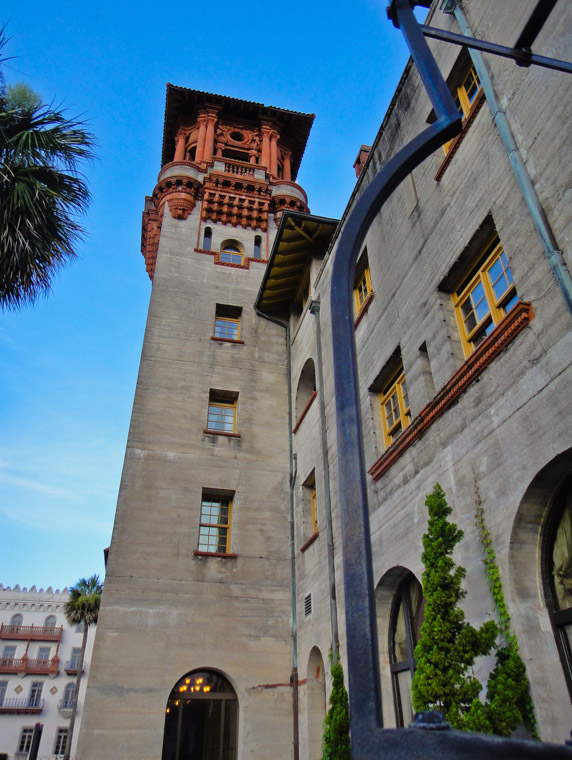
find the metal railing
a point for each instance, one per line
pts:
(25, 705)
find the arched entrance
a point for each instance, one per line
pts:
(201, 718)
(316, 703)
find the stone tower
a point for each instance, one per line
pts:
(193, 653)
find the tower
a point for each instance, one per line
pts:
(193, 649)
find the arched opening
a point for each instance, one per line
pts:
(50, 621)
(231, 252)
(16, 620)
(201, 718)
(399, 606)
(258, 247)
(316, 703)
(207, 239)
(306, 387)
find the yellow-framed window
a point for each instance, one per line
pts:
(214, 531)
(227, 328)
(230, 253)
(314, 510)
(465, 95)
(362, 289)
(484, 297)
(395, 410)
(222, 414)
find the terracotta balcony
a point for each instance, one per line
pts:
(31, 632)
(25, 665)
(21, 706)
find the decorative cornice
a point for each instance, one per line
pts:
(475, 108)
(304, 411)
(509, 327)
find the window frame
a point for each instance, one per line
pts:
(68, 696)
(204, 544)
(395, 386)
(361, 301)
(44, 654)
(220, 319)
(35, 693)
(221, 401)
(492, 252)
(26, 736)
(462, 101)
(234, 250)
(61, 741)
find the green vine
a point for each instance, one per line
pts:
(508, 702)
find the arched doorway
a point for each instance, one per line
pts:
(316, 703)
(201, 718)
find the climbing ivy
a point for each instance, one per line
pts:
(508, 702)
(448, 645)
(336, 738)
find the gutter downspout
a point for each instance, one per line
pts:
(539, 218)
(293, 473)
(315, 310)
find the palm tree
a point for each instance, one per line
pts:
(41, 193)
(81, 607)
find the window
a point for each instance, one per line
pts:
(257, 246)
(405, 631)
(44, 653)
(25, 740)
(207, 239)
(35, 694)
(3, 689)
(222, 412)
(483, 299)
(465, 96)
(314, 512)
(79, 627)
(16, 620)
(61, 741)
(8, 654)
(214, 532)
(227, 322)
(50, 621)
(362, 289)
(231, 252)
(67, 700)
(395, 411)
(75, 655)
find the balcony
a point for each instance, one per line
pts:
(30, 632)
(71, 667)
(65, 706)
(21, 706)
(24, 666)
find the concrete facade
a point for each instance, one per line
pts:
(489, 420)
(38, 654)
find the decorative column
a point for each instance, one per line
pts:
(266, 130)
(287, 156)
(181, 140)
(274, 154)
(202, 120)
(211, 119)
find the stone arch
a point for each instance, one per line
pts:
(399, 605)
(306, 387)
(201, 718)
(315, 703)
(530, 535)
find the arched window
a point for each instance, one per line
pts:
(67, 699)
(257, 247)
(207, 239)
(231, 252)
(404, 633)
(50, 621)
(557, 574)
(16, 620)
(201, 719)
(306, 387)
(316, 703)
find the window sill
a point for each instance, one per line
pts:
(364, 308)
(245, 265)
(512, 324)
(304, 412)
(475, 108)
(310, 541)
(227, 340)
(220, 555)
(221, 432)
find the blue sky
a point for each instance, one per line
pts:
(68, 365)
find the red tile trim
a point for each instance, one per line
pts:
(512, 324)
(226, 340)
(364, 308)
(220, 555)
(221, 432)
(304, 411)
(475, 108)
(310, 541)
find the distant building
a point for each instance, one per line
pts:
(224, 584)
(39, 657)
